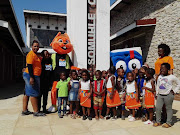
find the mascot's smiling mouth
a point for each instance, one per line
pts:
(64, 48)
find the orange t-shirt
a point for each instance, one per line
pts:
(166, 59)
(33, 59)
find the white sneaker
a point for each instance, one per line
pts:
(132, 119)
(129, 116)
(148, 122)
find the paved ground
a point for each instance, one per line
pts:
(12, 123)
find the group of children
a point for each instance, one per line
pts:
(134, 91)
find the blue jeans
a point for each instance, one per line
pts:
(64, 104)
(30, 90)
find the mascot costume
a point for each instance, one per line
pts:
(128, 59)
(60, 62)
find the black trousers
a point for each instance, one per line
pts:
(44, 95)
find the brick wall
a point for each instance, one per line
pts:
(167, 29)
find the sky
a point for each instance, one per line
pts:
(58, 6)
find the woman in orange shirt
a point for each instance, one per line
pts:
(163, 52)
(31, 76)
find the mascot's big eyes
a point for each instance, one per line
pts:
(60, 40)
(135, 63)
(67, 41)
(121, 64)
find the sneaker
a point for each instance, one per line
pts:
(26, 113)
(46, 111)
(52, 109)
(60, 116)
(89, 117)
(108, 117)
(84, 117)
(39, 114)
(132, 119)
(148, 122)
(130, 116)
(122, 117)
(114, 118)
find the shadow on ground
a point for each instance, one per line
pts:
(175, 119)
(11, 90)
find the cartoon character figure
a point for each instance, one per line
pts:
(164, 83)
(60, 62)
(128, 58)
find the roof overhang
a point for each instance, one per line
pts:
(138, 23)
(118, 5)
(7, 36)
(43, 13)
(8, 14)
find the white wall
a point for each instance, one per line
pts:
(77, 31)
(103, 35)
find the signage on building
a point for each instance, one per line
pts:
(91, 33)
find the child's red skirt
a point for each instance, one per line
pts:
(149, 99)
(84, 100)
(131, 102)
(115, 101)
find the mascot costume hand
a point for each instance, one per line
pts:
(60, 62)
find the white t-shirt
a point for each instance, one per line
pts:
(130, 87)
(165, 84)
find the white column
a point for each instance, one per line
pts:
(77, 30)
(103, 35)
(27, 33)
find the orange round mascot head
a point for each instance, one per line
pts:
(61, 44)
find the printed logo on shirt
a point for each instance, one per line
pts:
(163, 84)
(48, 67)
(62, 62)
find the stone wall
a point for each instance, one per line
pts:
(167, 29)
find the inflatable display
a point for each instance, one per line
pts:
(60, 62)
(128, 58)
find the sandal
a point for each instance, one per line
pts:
(73, 116)
(138, 118)
(96, 117)
(101, 117)
(165, 125)
(78, 116)
(39, 114)
(26, 113)
(156, 124)
(144, 119)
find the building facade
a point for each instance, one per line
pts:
(147, 23)
(43, 27)
(11, 42)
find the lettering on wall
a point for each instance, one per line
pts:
(91, 34)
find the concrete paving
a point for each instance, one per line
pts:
(12, 123)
